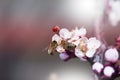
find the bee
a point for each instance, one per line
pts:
(68, 46)
(52, 48)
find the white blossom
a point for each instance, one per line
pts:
(80, 54)
(90, 53)
(74, 40)
(79, 32)
(81, 49)
(87, 47)
(108, 71)
(60, 49)
(97, 67)
(65, 33)
(93, 43)
(111, 55)
(57, 38)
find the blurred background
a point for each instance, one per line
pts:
(25, 34)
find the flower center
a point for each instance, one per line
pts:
(83, 46)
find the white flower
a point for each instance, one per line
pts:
(108, 71)
(111, 55)
(79, 32)
(87, 48)
(81, 49)
(97, 67)
(57, 38)
(60, 49)
(90, 53)
(93, 43)
(65, 34)
(74, 40)
(80, 54)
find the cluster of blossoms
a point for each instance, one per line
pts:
(109, 68)
(75, 44)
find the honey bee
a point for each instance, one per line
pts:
(52, 48)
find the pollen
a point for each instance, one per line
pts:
(83, 46)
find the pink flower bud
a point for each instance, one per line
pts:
(111, 55)
(64, 56)
(97, 67)
(108, 71)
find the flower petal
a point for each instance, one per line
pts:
(82, 31)
(60, 49)
(57, 38)
(64, 56)
(80, 54)
(65, 34)
(93, 43)
(79, 32)
(74, 40)
(90, 53)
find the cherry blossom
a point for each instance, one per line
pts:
(76, 35)
(87, 47)
(65, 33)
(79, 32)
(105, 60)
(74, 40)
(57, 38)
(60, 49)
(93, 43)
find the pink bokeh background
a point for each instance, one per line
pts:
(25, 34)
